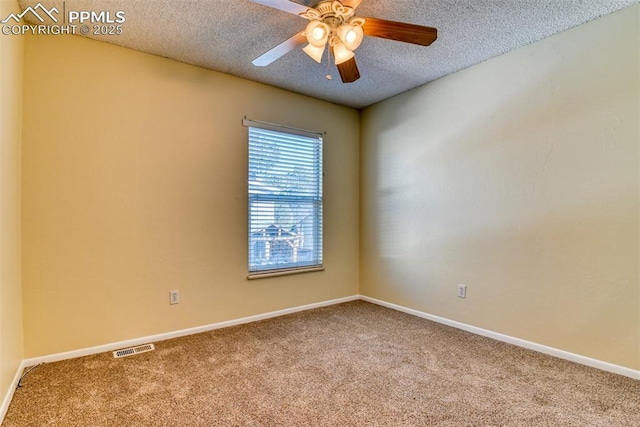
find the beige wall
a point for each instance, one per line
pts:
(134, 183)
(519, 178)
(10, 135)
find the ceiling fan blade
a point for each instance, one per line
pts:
(285, 5)
(408, 33)
(353, 3)
(280, 50)
(349, 71)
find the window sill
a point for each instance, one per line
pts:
(274, 273)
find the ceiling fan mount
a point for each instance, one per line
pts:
(332, 12)
(333, 23)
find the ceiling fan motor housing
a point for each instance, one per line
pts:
(332, 13)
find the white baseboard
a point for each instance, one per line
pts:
(7, 398)
(551, 351)
(605, 366)
(152, 338)
(181, 333)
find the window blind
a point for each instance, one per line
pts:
(285, 200)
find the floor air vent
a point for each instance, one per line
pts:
(133, 350)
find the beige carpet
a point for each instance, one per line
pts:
(354, 364)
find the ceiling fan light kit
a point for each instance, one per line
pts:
(333, 23)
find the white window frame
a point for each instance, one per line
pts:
(301, 268)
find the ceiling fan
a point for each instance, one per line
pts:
(333, 23)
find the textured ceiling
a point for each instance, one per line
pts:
(226, 35)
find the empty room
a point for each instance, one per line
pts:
(319, 213)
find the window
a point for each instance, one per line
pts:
(285, 199)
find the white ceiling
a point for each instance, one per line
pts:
(226, 35)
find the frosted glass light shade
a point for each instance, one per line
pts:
(317, 33)
(341, 53)
(351, 36)
(314, 52)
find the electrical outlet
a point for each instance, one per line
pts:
(174, 297)
(462, 291)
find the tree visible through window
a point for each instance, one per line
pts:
(285, 199)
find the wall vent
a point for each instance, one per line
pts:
(133, 350)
